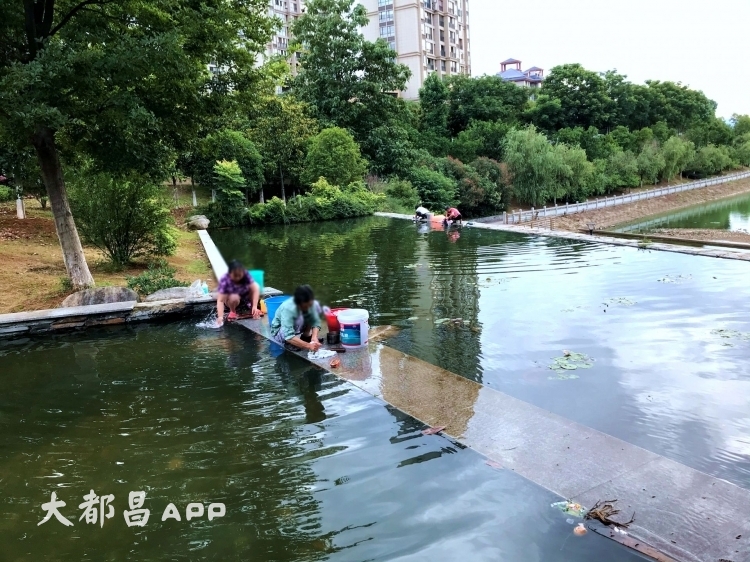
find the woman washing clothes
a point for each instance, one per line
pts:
(297, 321)
(239, 292)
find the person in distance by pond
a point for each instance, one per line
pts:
(238, 291)
(421, 214)
(452, 216)
(297, 321)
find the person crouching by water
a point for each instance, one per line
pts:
(452, 216)
(238, 291)
(297, 321)
(421, 214)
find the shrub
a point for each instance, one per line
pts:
(435, 190)
(324, 202)
(125, 218)
(6, 193)
(333, 154)
(158, 276)
(402, 191)
(229, 207)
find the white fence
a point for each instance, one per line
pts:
(571, 208)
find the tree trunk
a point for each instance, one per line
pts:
(262, 198)
(283, 189)
(49, 163)
(195, 199)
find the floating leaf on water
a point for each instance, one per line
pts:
(570, 361)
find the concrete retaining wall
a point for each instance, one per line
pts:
(80, 317)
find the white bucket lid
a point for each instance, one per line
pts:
(352, 314)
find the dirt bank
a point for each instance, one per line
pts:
(611, 216)
(703, 234)
(32, 266)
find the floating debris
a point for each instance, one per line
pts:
(675, 279)
(570, 508)
(731, 334)
(413, 319)
(570, 361)
(433, 430)
(603, 511)
(494, 464)
(622, 301)
(442, 321)
(580, 529)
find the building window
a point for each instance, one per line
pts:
(442, 65)
(392, 45)
(441, 19)
(387, 31)
(386, 15)
(385, 2)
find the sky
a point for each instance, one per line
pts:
(703, 44)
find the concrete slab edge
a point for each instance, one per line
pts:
(638, 244)
(218, 263)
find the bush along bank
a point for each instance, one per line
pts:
(322, 203)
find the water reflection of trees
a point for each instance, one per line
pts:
(455, 294)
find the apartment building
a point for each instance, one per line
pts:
(428, 35)
(287, 11)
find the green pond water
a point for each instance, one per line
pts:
(666, 335)
(308, 467)
(731, 214)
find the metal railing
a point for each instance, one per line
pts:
(572, 208)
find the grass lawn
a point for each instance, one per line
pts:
(32, 271)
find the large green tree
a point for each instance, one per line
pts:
(281, 128)
(229, 145)
(335, 156)
(123, 84)
(487, 98)
(349, 81)
(582, 95)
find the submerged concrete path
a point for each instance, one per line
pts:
(684, 513)
(708, 250)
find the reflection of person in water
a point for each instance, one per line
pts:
(453, 236)
(309, 382)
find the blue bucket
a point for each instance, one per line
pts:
(273, 304)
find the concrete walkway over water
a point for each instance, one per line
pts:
(684, 513)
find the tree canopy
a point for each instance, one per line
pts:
(122, 84)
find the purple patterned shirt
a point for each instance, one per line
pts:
(229, 287)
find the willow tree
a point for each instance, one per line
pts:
(122, 84)
(535, 167)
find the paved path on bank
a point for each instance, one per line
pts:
(605, 202)
(682, 512)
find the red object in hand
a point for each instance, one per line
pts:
(333, 321)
